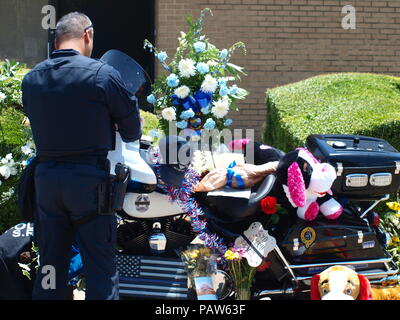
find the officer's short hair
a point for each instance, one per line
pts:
(72, 26)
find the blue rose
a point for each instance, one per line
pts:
(162, 56)
(173, 81)
(223, 91)
(228, 122)
(182, 124)
(151, 99)
(186, 115)
(210, 124)
(199, 47)
(233, 90)
(222, 82)
(223, 54)
(203, 68)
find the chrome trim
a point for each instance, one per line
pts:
(339, 169)
(358, 176)
(397, 167)
(343, 263)
(384, 198)
(372, 179)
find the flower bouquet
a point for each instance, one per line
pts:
(390, 223)
(241, 272)
(200, 264)
(198, 89)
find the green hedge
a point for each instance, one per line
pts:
(346, 103)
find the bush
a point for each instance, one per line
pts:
(348, 103)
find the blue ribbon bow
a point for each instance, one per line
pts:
(232, 174)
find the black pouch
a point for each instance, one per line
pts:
(26, 192)
(104, 196)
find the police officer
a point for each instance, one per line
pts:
(74, 104)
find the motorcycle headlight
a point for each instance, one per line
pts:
(356, 180)
(381, 179)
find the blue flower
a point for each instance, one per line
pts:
(210, 124)
(223, 91)
(206, 110)
(151, 99)
(203, 68)
(233, 90)
(199, 47)
(182, 124)
(222, 82)
(223, 54)
(186, 115)
(162, 56)
(228, 122)
(155, 134)
(173, 80)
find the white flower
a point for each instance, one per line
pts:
(9, 156)
(212, 63)
(187, 68)
(2, 96)
(24, 163)
(5, 172)
(209, 84)
(4, 161)
(221, 108)
(182, 92)
(169, 114)
(13, 171)
(26, 150)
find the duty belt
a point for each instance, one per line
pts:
(100, 162)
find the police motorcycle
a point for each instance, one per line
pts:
(368, 171)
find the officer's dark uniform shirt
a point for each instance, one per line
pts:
(73, 103)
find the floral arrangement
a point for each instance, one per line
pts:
(390, 223)
(243, 275)
(198, 90)
(201, 265)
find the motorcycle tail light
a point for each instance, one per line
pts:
(356, 180)
(381, 179)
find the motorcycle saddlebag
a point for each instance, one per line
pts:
(324, 241)
(366, 167)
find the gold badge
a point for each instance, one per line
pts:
(308, 237)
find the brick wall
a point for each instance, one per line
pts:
(289, 40)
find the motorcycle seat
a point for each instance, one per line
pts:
(237, 209)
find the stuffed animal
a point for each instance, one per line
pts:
(303, 183)
(340, 283)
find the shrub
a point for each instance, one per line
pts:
(347, 103)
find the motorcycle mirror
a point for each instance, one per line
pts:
(136, 80)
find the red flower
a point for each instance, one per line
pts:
(269, 205)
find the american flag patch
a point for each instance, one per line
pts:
(151, 277)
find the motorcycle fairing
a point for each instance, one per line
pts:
(129, 154)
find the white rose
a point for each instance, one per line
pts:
(182, 92)
(169, 114)
(209, 84)
(221, 108)
(5, 172)
(187, 68)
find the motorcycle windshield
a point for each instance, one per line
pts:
(135, 78)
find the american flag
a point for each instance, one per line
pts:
(151, 277)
